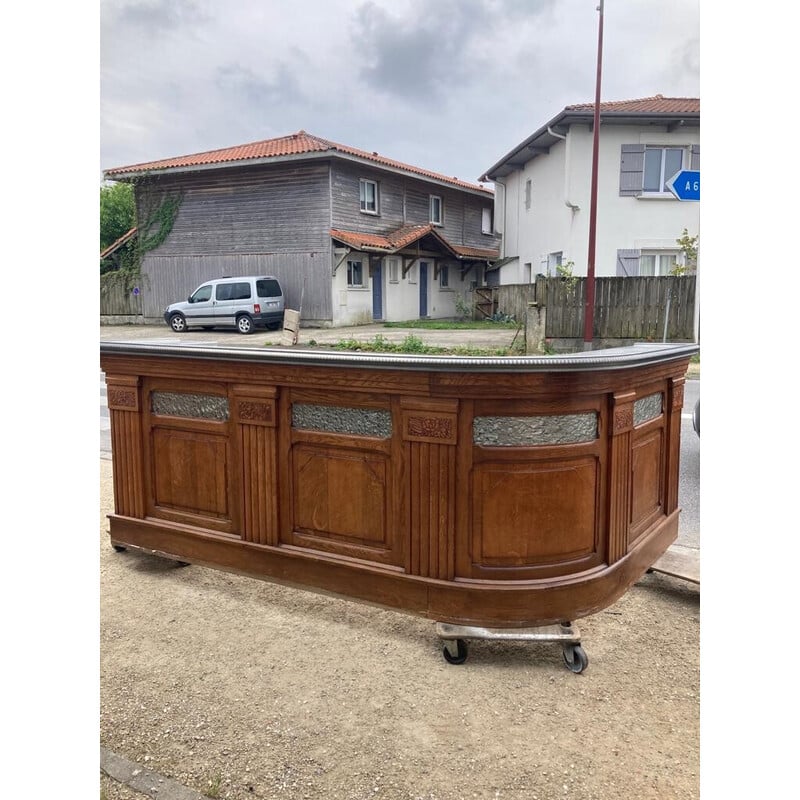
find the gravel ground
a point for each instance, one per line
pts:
(239, 688)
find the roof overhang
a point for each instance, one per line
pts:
(401, 240)
(540, 141)
(132, 174)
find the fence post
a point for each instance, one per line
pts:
(666, 315)
(535, 318)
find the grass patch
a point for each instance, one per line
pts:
(451, 325)
(415, 346)
(214, 785)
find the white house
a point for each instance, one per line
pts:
(543, 190)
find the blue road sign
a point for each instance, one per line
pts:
(685, 185)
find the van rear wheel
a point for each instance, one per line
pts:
(178, 323)
(244, 324)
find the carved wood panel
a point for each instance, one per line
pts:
(340, 501)
(647, 482)
(190, 472)
(534, 515)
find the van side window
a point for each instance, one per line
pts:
(202, 294)
(233, 291)
(268, 288)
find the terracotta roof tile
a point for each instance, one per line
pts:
(481, 253)
(644, 110)
(295, 144)
(658, 104)
(405, 236)
(360, 241)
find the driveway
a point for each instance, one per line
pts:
(489, 338)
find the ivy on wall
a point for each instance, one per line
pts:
(159, 223)
(158, 209)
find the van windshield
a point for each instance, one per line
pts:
(268, 288)
(201, 294)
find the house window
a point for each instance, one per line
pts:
(394, 270)
(657, 262)
(486, 220)
(444, 276)
(528, 189)
(660, 164)
(368, 191)
(436, 209)
(355, 275)
(554, 260)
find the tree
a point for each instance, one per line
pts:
(688, 246)
(117, 217)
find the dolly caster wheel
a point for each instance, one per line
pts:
(461, 652)
(575, 658)
(119, 548)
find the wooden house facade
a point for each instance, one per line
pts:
(352, 236)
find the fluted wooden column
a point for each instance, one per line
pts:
(124, 406)
(620, 474)
(674, 408)
(254, 414)
(430, 431)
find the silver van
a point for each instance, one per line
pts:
(244, 303)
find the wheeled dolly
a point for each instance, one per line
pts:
(455, 640)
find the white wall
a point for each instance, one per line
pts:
(622, 222)
(400, 299)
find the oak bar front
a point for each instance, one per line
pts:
(504, 492)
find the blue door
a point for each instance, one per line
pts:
(377, 290)
(423, 288)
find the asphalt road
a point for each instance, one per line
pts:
(689, 482)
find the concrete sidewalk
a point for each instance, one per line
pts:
(488, 337)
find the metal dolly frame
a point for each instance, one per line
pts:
(455, 637)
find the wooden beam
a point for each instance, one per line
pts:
(339, 262)
(408, 263)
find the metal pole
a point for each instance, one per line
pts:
(588, 327)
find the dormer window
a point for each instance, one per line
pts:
(368, 193)
(436, 210)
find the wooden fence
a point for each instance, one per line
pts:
(624, 308)
(117, 299)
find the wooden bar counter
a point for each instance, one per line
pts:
(506, 492)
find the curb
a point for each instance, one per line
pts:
(144, 780)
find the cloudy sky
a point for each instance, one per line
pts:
(449, 85)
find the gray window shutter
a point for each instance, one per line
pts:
(631, 169)
(628, 263)
(695, 163)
